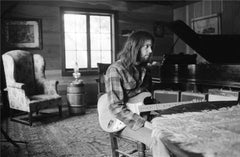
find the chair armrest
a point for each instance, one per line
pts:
(50, 86)
(16, 85)
(17, 95)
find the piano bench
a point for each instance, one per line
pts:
(116, 151)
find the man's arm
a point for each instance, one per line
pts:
(116, 99)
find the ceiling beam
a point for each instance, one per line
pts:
(169, 3)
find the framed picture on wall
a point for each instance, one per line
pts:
(207, 24)
(22, 33)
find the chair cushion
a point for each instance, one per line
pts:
(43, 101)
(43, 98)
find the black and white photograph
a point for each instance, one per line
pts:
(120, 78)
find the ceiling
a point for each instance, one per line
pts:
(169, 3)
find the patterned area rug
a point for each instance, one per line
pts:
(70, 136)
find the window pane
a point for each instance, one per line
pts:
(106, 57)
(105, 42)
(74, 23)
(105, 24)
(69, 22)
(95, 25)
(100, 57)
(75, 32)
(76, 39)
(73, 56)
(81, 41)
(70, 58)
(100, 24)
(100, 42)
(100, 39)
(95, 58)
(95, 42)
(82, 59)
(70, 43)
(81, 26)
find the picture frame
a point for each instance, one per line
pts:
(207, 25)
(21, 33)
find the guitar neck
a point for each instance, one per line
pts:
(163, 106)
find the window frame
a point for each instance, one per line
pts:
(113, 16)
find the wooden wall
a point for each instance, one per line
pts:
(229, 11)
(131, 17)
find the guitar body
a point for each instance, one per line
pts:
(108, 121)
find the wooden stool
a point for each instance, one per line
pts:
(116, 151)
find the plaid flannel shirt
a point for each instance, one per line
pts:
(122, 84)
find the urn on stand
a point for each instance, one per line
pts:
(76, 94)
(76, 74)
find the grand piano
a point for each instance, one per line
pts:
(200, 134)
(222, 69)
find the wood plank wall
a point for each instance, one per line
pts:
(131, 17)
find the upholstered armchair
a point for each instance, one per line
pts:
(28, 89)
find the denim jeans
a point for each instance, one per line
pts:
(144, 135)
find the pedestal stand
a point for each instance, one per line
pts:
(76, 96)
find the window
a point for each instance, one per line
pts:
(88, 39)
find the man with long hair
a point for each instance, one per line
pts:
(128, 77)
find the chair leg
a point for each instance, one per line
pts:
(60, 110)
(141, 149)
(8, 139)
(114, 145)
(11, 113)
(15, 118)
(37, 112)
(30, 118)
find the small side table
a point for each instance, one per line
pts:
(76, 98)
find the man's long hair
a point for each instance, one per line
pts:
(130, 52)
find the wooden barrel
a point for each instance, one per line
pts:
(76, 98)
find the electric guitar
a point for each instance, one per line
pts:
(110, 123)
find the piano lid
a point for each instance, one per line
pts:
(219, 49)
